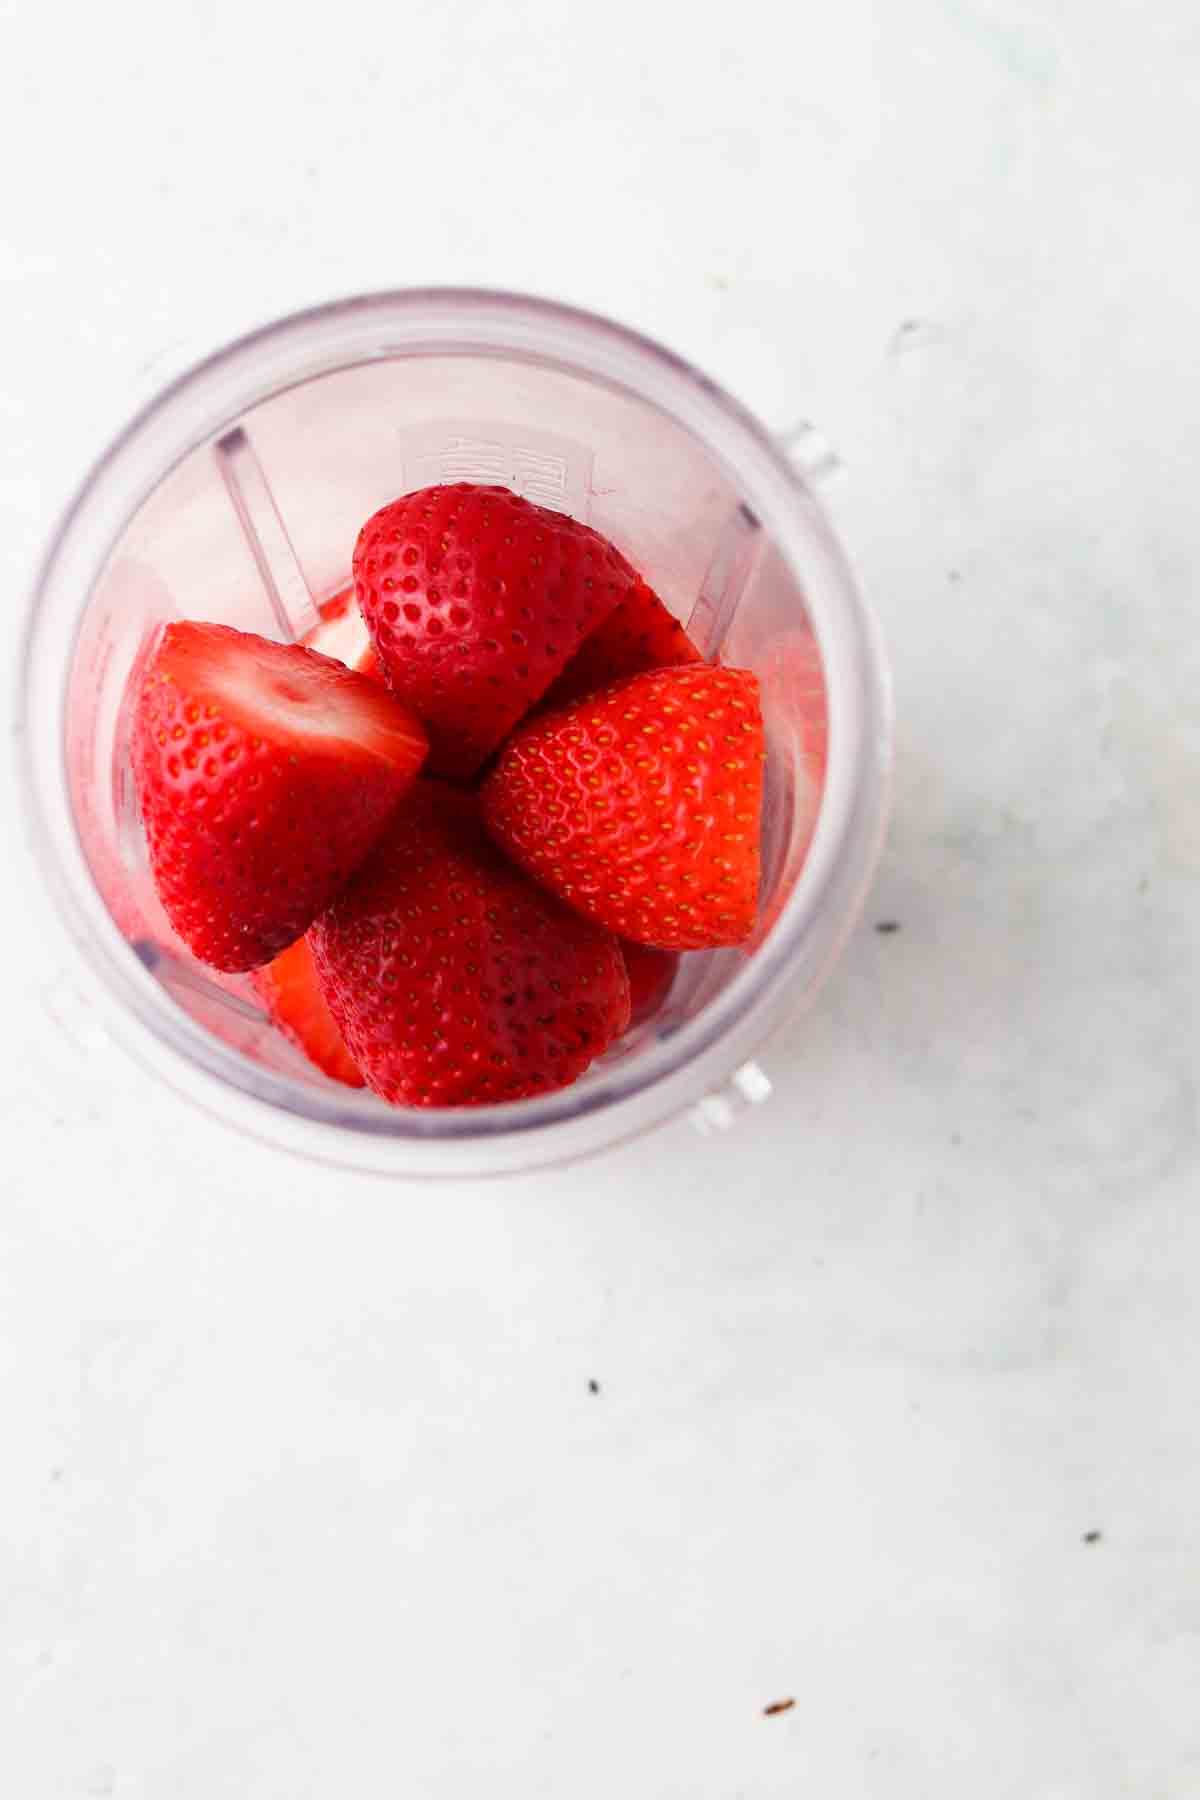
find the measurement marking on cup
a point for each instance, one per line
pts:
(541, 478)
(551, 471)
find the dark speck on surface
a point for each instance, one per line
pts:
(593, 1387)
(954, 575)
(1091, 1537)
(885, 927)
(914, 334)
(777, 1706)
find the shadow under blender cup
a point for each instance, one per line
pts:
(236, 496)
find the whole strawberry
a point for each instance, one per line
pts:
(475, 600)
(454, 980)
(638, 634)
(650, 973)
(341, 632)
(641, 805)
(289, 990)
(264, 773)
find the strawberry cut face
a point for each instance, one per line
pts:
(341, 633)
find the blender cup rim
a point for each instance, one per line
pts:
(201, 403)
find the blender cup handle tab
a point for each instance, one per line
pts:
(748, 1086)
(811, 452)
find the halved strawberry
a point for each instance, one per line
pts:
(453, 978)
(651, 973)
(265, 772)
(640, 805)
(367, 663)
(638, 634)
(291, 993)
(475, 600)
(341, 632)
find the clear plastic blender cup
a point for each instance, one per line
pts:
(237, 495)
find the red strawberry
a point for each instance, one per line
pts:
(342, 634)
(638, 634)
(640, 805)
(475, 600)
(367, 663)
(265, 772)
(651, 973)
(454, 979)
(289, 990)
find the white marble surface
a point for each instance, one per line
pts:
(305, 1492)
